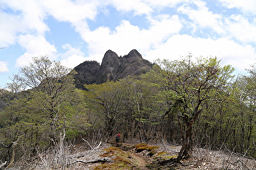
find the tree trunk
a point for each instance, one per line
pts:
(187, 145)
(13, 153)
(62, 156)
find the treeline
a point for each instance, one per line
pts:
(183, 102)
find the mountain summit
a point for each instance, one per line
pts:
(112, 67)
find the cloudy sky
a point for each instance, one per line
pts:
(73, 31)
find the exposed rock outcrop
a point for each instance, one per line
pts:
(86, 73)
(109, 67)
(112, 67)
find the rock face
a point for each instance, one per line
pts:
(109, 67)
(86, 73)
(112, 67)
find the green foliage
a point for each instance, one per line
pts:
(175, 101)
(42, 113)
(189, 87)
(124, 105)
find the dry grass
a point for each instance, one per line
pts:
(207, 159)
(128, 157)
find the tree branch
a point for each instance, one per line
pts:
(3, 164)
(91, 162)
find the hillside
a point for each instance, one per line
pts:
(181, 104)
(5, 97)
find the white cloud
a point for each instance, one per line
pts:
(27, 26)
(162, 39)
(8, 28)
(72, 56)
(234, 26)
(202, 16)
(127, 36)
(225, 49)
(138, 6)
(3, 67)
(35, 46)
(28, 17)
(240, 28)
(71, 11)
(30, 13)
(164, 3)
(247, 6)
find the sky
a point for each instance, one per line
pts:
(73, 31)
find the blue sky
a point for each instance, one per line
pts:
(72, 31)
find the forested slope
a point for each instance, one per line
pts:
(187, 102)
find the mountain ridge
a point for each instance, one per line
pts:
(112, 68)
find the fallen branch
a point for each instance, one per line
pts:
(92, 148)
(91, 162)
(3, 164)
(98, 145)
(87, 143)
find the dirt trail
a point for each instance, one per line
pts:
(144, 156)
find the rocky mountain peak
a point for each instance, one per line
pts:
(112, 67)
(110, 52)
(134, 53)
(86, 72)
(110, 59)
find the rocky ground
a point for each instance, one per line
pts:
(139, 156)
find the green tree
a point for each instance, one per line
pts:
(51, 86)
(130, 106)
(190, 86)
(105, 101)
(47, 111)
